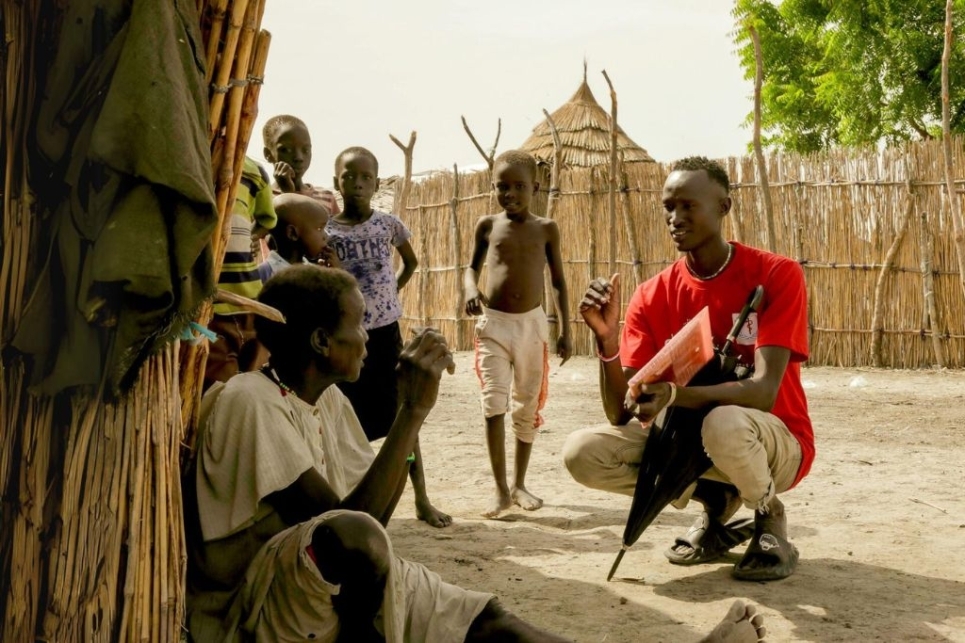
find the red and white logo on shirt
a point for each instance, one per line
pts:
(748, 332)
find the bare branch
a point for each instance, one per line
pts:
(492, 153)
(402, 195)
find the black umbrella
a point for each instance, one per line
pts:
(674, 457)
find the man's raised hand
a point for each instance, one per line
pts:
(601, 306)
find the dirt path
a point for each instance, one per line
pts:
(880, 521)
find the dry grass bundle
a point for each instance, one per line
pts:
(846, 215)
(91, 526)
(584, 131)
(25, 421)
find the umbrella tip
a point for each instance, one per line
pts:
(616, 563)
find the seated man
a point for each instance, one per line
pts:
(757, 432)
(287, 503)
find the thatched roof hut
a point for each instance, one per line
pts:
(584, 129)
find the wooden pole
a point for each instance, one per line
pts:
(236, 139)
(628, 226)
(758, 151)
(612, 188)
(218, 11)
(423, 268)
(227, 57)
(402, 196)
(456, 238)
(928, 286)
(591, 229)
(886, 269)
(958, 225)
(552, 202)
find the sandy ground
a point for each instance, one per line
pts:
(880, 521)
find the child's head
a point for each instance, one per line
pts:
(301, 226)
(356, 177)
(287, 140)
(514, 179)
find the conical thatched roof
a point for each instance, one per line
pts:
(584, 129)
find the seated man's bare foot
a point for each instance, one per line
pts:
(525, 499)
(501, 503)
(426, 512)
(741, 624)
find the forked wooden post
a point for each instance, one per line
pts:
(402, 195)
(886, 269)
(489, 156)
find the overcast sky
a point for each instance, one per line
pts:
(358, 70)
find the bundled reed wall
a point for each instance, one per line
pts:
(91, 527)
(842, 214)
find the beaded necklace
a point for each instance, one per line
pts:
(730, 255)
(273, 376)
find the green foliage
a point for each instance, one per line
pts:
(851, 72)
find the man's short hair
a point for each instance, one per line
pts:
(272, 126)
(356, 151)
(518, 158)
(309, 297)
(714, 170)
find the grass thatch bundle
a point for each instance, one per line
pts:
(584, 132)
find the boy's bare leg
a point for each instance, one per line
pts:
(423, 508)
(520, 495)
(496, 442)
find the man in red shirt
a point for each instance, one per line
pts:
(757, 433)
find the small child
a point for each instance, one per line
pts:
(513, 334)
(288, 147)
(362, 240)
(252, 217)
(299, 236)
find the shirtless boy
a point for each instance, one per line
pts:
(512, 333)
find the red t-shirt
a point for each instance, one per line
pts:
(663, 304)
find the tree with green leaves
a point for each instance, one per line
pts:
(851, 72)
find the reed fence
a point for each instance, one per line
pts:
(871, 228)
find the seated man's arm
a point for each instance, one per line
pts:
(376, 494)
(308, 496)
(420, 365)
(756, 392)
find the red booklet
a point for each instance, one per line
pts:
(681, 357)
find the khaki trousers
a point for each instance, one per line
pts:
(751, 449)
